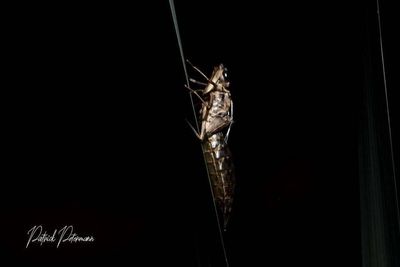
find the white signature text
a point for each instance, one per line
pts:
(66, 234)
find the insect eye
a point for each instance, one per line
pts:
(225, 73)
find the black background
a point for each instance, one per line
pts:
(97, 138)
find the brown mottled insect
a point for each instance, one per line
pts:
(216, 117)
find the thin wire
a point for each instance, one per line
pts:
(172, 6)
(387, 111)
(178, 36)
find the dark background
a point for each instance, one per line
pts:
(97, 138)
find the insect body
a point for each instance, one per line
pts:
(216, 116)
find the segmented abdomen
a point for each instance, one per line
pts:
(221, 172)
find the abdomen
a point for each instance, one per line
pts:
(221, 171)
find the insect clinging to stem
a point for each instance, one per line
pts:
(216, 117)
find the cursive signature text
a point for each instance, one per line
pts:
(66, 234)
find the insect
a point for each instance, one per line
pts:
(216, 117)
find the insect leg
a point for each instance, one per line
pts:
(230, 125)
(194, 92)
(197, 82)
(194, 130)
(197, 69)
(231, 110)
